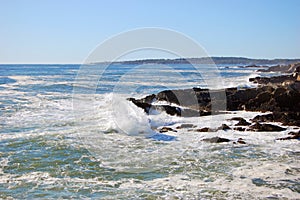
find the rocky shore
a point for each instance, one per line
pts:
(279, 96)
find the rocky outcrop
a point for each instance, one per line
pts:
(279, 95)
(284, 102)
(258, 127)
(282, 68)
(286, 118)
(278, 80)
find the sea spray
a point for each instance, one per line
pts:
(129, 118)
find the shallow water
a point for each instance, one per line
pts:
(55, 143)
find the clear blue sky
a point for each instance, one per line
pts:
(66, 31)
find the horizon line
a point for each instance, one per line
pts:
(150, 59)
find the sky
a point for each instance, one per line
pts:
(67, 31)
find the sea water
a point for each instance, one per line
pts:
(67, 131)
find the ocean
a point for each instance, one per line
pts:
(67, 131)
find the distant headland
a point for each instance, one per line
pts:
(205, 60)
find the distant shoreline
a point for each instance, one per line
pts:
(203, 60)
(207, 60)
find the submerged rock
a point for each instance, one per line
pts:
(239, 129)
(185, 126)
(293, 135)
(216, 140)
(240, 141)
(166, 129)
(205, 129)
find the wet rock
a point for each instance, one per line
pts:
(263, 97)
(224, 127)
(239, 128)
(139, 103)
(286, 118)
(279, 91)
(240, 141)
(236, 118)
(205, 129)
(296, 86)
(275, 80)
(263, 118)
(293, 135)
(216, 140)
(271, 96)
(149, 98)
(166, 129)
(171, 110)
(254, 66)
(266, 128)
(241, 121)
(185, 126)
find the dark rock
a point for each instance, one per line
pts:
(275, 80)
(185, 126)
(266, 128)
(271, 96)
(171, 110)
(286, 118)
(263, 97)
(216, 140)
(260, 102)
(255, 66)
(296, 86)
(239, 128)
(263, 118)
(282, 68)
(241, 141)
(205, 129)
(168, 96)
(224, 127)
(145, 106)
(241, 121)
(279, 91)
(294, 135)
(166, 129)
(236, 118)
(150, 98)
